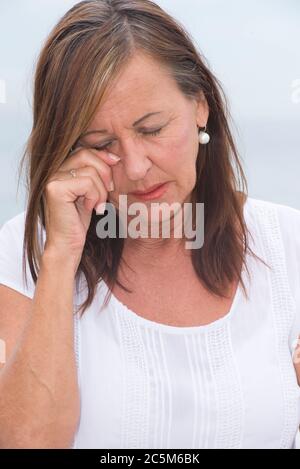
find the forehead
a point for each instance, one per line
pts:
(142, 85)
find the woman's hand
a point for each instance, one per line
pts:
(69, 201)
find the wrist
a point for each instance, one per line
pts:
(56, 258)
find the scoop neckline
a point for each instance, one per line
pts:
(121, 309)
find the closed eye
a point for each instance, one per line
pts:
(153, 133)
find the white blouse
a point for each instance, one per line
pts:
(228, 384)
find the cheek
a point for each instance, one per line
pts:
(181, 152)
(183, 155)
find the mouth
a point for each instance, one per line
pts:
(151, 193)
(147, 191)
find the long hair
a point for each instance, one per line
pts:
(82, 55)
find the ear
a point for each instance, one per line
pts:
(202, 110)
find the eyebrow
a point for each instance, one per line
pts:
(141, 119)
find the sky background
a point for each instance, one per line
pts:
(253, 47)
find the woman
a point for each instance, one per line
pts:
(188, 352)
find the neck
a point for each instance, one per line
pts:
(150, 252)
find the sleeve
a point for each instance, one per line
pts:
(289, 219)
(11, 252)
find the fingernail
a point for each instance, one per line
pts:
(113, 157)
(100, 208)
(111, 186)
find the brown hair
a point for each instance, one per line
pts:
(83, 54)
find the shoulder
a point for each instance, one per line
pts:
(12, 233)
(276, 225)
(15, 223)
(279, 225)
(287, 218)
(11, 255)
(15, 227)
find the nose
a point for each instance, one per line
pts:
(135, 161)
(134, 158)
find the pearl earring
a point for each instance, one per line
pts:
(204, 137)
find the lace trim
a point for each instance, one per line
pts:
(283, 313)
(230, 405)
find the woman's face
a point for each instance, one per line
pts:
(146, 160)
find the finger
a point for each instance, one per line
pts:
(87, 171)
(107, 156)
(72, 189)
(89, 158)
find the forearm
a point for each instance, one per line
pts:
(39, 396)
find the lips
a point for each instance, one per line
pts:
(148, 191)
